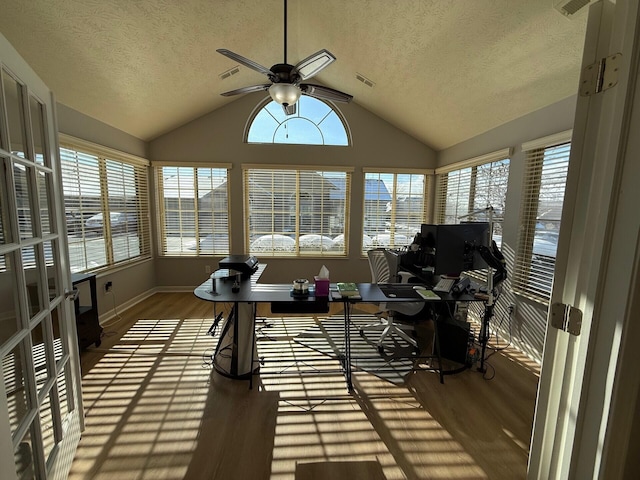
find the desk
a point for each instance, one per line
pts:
(483, 337)
(242, 318)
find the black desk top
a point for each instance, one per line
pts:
(252, 291)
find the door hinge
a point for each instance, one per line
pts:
(566, 318)
(600, 76)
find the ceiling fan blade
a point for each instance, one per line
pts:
(311, 65)
(290, 109)
(246, 62)
(325, 93)
(252, 88)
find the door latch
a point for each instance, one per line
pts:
(71, 294)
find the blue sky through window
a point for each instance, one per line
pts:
(314, 123)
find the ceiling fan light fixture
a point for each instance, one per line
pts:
(284, 93)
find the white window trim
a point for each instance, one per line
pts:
(475, 161)
(159, 204)
(67, 141)
(70, 142)
(428, 192)
(548, 141)
(299, 168)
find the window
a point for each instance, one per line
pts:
(194, 209)
(106, 205)
(470, 187)
(545, 178)
(296, 212)
(394, 207)
(314, 123)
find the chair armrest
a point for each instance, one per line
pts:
(405, 276)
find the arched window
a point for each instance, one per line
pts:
(314, 123)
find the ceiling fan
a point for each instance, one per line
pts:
(286, 87)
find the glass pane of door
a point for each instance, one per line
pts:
(23, 455)
(44, 194)
(23, 199)
(13, 371)
(37, 130)
(13, 93)
(8, 299)
(4, 230)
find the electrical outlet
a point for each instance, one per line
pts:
(207, 269)
(107, 286)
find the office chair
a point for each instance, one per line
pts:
(381, 273)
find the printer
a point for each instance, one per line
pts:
(245, 264)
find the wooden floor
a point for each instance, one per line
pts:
(155, 409)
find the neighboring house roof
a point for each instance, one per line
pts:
(374, 189)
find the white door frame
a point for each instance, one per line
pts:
(597, 262)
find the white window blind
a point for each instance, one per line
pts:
(395, 204)
(541, 211)
(296, 212)
(473, 186)
(106, 205)
(194, 208)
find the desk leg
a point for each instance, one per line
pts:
(253, 344)
(236, 334)
(436, 339)
(237, 362)
(484, 335)
(347, 346)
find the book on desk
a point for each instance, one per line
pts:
(348, 289)
(428, 294)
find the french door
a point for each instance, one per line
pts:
(590, 383)
(40, 398)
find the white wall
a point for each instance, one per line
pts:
(218, 137)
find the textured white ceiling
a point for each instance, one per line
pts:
(444, 70)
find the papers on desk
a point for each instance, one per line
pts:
(428, 294)
(348, 289)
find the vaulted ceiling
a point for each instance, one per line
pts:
(443, 71)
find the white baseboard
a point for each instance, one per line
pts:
(111, 314)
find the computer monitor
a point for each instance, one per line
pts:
(452, 249)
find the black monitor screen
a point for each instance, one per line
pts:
(451, 249)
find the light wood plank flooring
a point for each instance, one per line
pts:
(155, 409)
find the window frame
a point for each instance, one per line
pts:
(530, 267)
(471, 212)
(106, 159)
(295, 250)
(269, 102)
(442, 183)
(394, 214)
(162, 213)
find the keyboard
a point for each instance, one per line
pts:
(444, 285)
